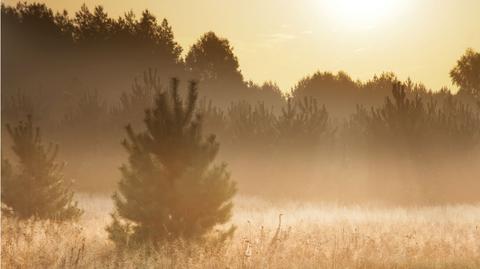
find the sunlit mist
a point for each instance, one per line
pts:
(241, 134)
(363, 14)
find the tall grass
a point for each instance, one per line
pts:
(310, 236)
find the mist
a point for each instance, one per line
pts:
(104, 89)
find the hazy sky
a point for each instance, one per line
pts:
(284, 40)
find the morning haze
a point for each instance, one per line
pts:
(240, 134)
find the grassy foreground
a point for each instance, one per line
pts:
(310, 236)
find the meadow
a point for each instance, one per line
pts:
(309, 236)
(323, 147)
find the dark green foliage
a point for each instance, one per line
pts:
(39, 189)
(168, 189)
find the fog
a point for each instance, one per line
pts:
(83, 78)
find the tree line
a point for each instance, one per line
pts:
(66, 55)
(313, 132)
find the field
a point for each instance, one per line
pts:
(310, 236)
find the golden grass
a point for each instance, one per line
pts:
(311, 236)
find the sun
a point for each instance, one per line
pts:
(362, 14)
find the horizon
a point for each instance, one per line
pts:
(362, 42)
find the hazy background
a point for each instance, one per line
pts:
(85, 75)
(337, 120)
(284, 40)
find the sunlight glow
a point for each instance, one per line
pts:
(362, 14)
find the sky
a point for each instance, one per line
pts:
(285, 40)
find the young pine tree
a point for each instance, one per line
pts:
(39, 189)
(168, 189)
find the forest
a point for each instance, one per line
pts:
(87, 99)
(326, 130)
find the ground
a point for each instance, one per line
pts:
(310, 236)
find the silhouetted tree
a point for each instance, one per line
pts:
(268, 93)
(93, 29)
(39, 189)
(417, 126)
(338, 92)
(168, 189)
(466, 74)
(103, 52)
(212, 58)
(456, 127)
(304, 124)
(399, 123)
(31, 36)
(252, 125)
(301, 125)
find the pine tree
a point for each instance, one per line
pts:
(169, 189)
(39, 189)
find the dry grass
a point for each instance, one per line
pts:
(320, 236)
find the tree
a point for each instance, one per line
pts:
(401, 122)
(39, 190)
(93, 29)
(268, 93)
(212, 58)
(252, 125)
(466, 74)
(303, 125)
(168, 189)
(339, 92)
(133, 103)
(156, 42)
(417, 126)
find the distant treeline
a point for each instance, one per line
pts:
(61, 55)
(330, 136)
(409, 145)
(57, 57)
